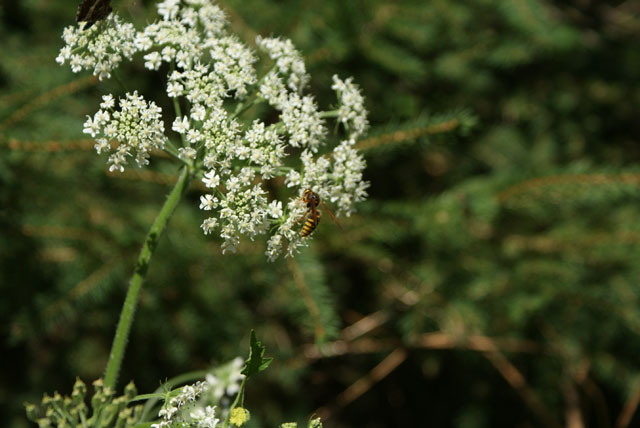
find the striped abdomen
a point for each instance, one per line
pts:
(310, 225)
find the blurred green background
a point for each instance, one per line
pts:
(491, 279)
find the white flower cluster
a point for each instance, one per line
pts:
(204, 418)
(288, 60)
(225, 383)
(137, 126)
(337, 179)
(213, 76)
(351, 113)
(97, 49)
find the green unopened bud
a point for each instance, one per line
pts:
(108, 415)
(98, 397)
(46, 400)
(315, 423)
(123, 416)
(125, 413)
(57, 399)
(239, 416)
(79, 391)
(108, 392)
(95, 401)
(50, 412)
(130, 391)
(44, 422)
(289, 425)
(32, 411)
(67, 403)
(137, 412)
(81, 408)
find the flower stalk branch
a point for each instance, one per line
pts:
(135, 284)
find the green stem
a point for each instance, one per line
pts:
(135, 284)
(325, 114)
(120, 82)
(172, 151)
(241, 108)
(238, 401)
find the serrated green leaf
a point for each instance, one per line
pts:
(256, 361)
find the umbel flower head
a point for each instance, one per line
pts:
(213, 82)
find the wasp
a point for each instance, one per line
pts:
(312, 200)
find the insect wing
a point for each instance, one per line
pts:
(92, 11)
(326, 208)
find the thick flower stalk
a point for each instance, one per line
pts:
(213, 83)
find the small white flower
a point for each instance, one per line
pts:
(208, 202)
(208, 225)
(174, 89)
(198, 112)
(101, 117)
(153, 61)
(107, 102)
(187, 153)
(180, 125)
(293, 178)
(168, 9)
(211, 179)
(193, 136)
(91, 127)
(275, 209)
(102, 144)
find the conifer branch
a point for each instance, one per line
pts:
(539, 185)
(81, 289)
(47, 97)
(407, 135)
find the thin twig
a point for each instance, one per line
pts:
(629, 409)
(364, 325)
(573, 415)
(364, 384)
(428, 340)
(50, 146)
(517, 381)
(477, 343)
(599, 401)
